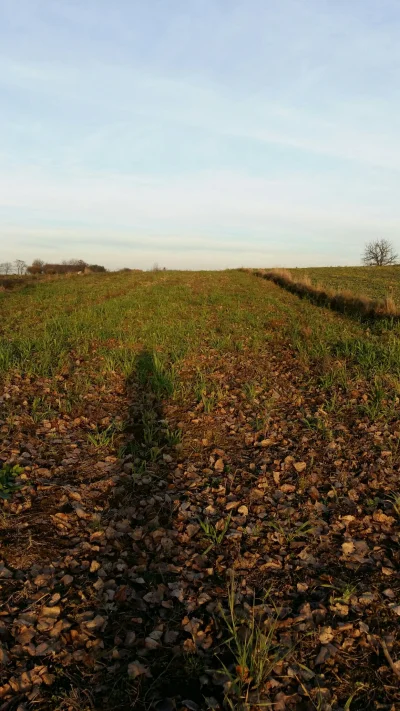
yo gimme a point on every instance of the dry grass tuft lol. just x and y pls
(343, 301)
(389, 307)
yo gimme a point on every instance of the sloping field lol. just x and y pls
(202, 507)
(375, 282)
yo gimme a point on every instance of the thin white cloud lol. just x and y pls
(354, 130)
(242, 120)
(207, 198)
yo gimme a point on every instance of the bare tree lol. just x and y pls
(379, 253)
(20, 266)
(39, 263)
(6, 268)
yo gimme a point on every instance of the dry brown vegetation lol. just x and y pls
(343, 301)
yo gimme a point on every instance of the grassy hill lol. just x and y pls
(201, 497)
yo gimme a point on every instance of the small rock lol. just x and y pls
(25, 636)
(366, 598)
(170, 637)
(387, 571)
(130, 638)
(151, 643)
(165, 705)
(95, 624)
(192, 529)
(67, 580)
(232, 505)
(287, 488)
(326, 635)
(323, 654)
(314, 493)
(57, 629)
(54, 599)
(54, 611)
(340, 608)
(348, 547)
(42, 649)
(80, 512)
(302, 587)
(136, 669)
(3, 656)
(4, 572)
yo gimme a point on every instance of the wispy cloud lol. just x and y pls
(224, 125)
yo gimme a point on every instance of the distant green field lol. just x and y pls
(375, 282)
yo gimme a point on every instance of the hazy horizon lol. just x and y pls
(198, 135)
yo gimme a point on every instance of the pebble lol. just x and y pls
(95, 624)
(51, 612)
(67, 580)
(232, 505)
(3, 656)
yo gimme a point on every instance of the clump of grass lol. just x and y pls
(250, 391)
(395, 501)
(8, 485)
(155, 373)
(305, 280)
(255, 651)
(389, 307)
(290, 533)
(173, 437)
(216, 535)
(207, 393)
(103, 438)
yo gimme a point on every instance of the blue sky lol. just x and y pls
(199, 133)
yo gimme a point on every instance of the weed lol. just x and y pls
(138, 470)
(216, 535)
(8, 486)
(102, 438)
(290, 533)
(395, 501)
(215, 481)
(346, 592)
(40, 410)
(254, 650)
(250, 391)
(194, 666)
(154, 372)
(319, 424)
(173, 437)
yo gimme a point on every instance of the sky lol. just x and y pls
(199, 133)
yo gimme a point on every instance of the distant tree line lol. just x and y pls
(17, 267)
(38, 266)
